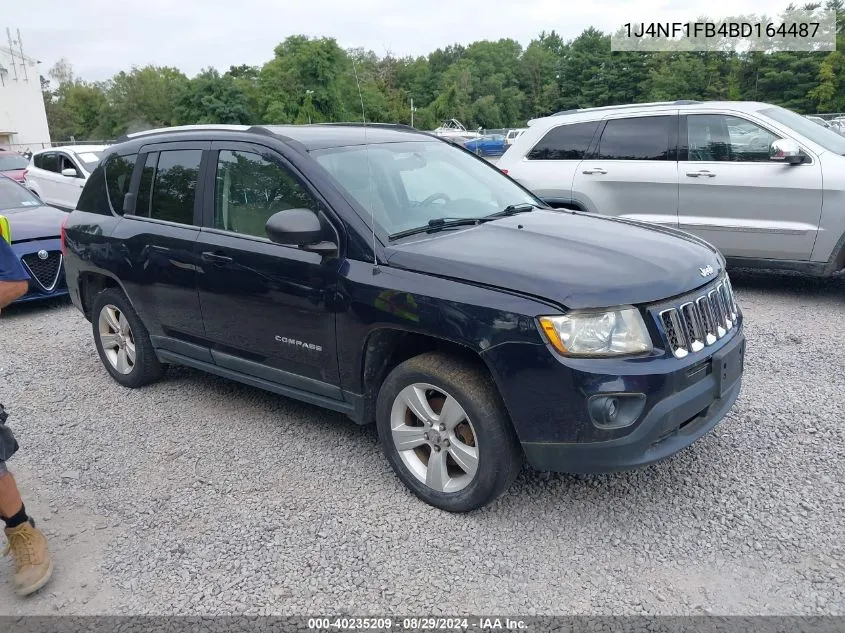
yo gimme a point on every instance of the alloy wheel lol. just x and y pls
(116, 339)
(434, 437)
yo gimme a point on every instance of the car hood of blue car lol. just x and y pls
(34, 223)
(577, 260)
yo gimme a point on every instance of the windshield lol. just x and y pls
(15, 196)
(10, 161)
(405, 185)
(88, 159)
(823, 136)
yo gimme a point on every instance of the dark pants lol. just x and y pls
(8, 443)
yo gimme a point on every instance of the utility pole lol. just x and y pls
(413, 109)
(308, 94)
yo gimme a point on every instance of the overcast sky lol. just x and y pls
(100, 38)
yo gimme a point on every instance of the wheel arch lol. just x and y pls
(91, 284)
(386, 347)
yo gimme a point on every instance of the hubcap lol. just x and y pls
(434, 437)
(116, 339)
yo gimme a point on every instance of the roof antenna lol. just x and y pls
(369, 170)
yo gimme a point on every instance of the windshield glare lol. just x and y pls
(823, 136)
(15, 196)
(405, 185)
(10, 162)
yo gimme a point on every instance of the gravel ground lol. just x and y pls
(197, 495)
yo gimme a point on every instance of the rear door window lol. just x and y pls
(565, 142)
(169, 185)
(635, 138)
(50, 162)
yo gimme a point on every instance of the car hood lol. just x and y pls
(30, 223)
(577, 260)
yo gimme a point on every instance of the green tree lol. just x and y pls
(212, 98)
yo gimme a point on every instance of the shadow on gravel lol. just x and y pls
(785, 281)
(235, 391)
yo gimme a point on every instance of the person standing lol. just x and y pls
(26, 544)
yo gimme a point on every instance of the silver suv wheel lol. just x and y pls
(434, 437)
(116, 339)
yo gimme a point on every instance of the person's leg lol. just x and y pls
(27, 545)
(11, 504)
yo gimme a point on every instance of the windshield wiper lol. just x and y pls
(437, 224)
(513, 209)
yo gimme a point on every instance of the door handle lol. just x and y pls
(702, 172)
(595, 170)
(216, 258)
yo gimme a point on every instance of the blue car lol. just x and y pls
(36, 239)
(490, 145)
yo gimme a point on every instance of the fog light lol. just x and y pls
(615, 410)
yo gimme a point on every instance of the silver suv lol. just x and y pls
(763, 184)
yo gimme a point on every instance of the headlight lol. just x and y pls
(606, 333)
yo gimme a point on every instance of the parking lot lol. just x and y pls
(199, 495)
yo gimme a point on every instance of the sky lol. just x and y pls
(100, 38)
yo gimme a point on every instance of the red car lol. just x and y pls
(13, 165)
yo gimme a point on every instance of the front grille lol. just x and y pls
(700, 320)
(44, 271)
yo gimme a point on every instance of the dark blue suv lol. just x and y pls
(384, 273)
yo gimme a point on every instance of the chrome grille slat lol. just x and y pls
(700, 320)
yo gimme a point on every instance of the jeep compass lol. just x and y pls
(392, 276)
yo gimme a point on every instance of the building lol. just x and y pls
(23, 119)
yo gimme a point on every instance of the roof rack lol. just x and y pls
(629, 105)
(184, 128)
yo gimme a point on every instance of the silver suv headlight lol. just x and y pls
(613, 332)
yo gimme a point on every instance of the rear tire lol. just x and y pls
(122, 341)
(459, 450)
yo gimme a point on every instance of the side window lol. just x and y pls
(636, 138)
(565, 142)
(94, 197)
(249, 189)
(50, 162)
(66, 163)
(38, 161)
(720, 137)
(169, 186)
(118, 170)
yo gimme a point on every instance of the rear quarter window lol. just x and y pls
(106, 188)
(565, 142)
(118, 172)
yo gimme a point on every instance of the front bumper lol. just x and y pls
(672, 424)
(684, 401)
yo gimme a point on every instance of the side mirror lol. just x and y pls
(69, 173)
(786, 151)
(298, 227)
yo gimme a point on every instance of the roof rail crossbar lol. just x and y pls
(183, 128)
(628, 105)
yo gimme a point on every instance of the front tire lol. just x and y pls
(122, 341)
(445, 432)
